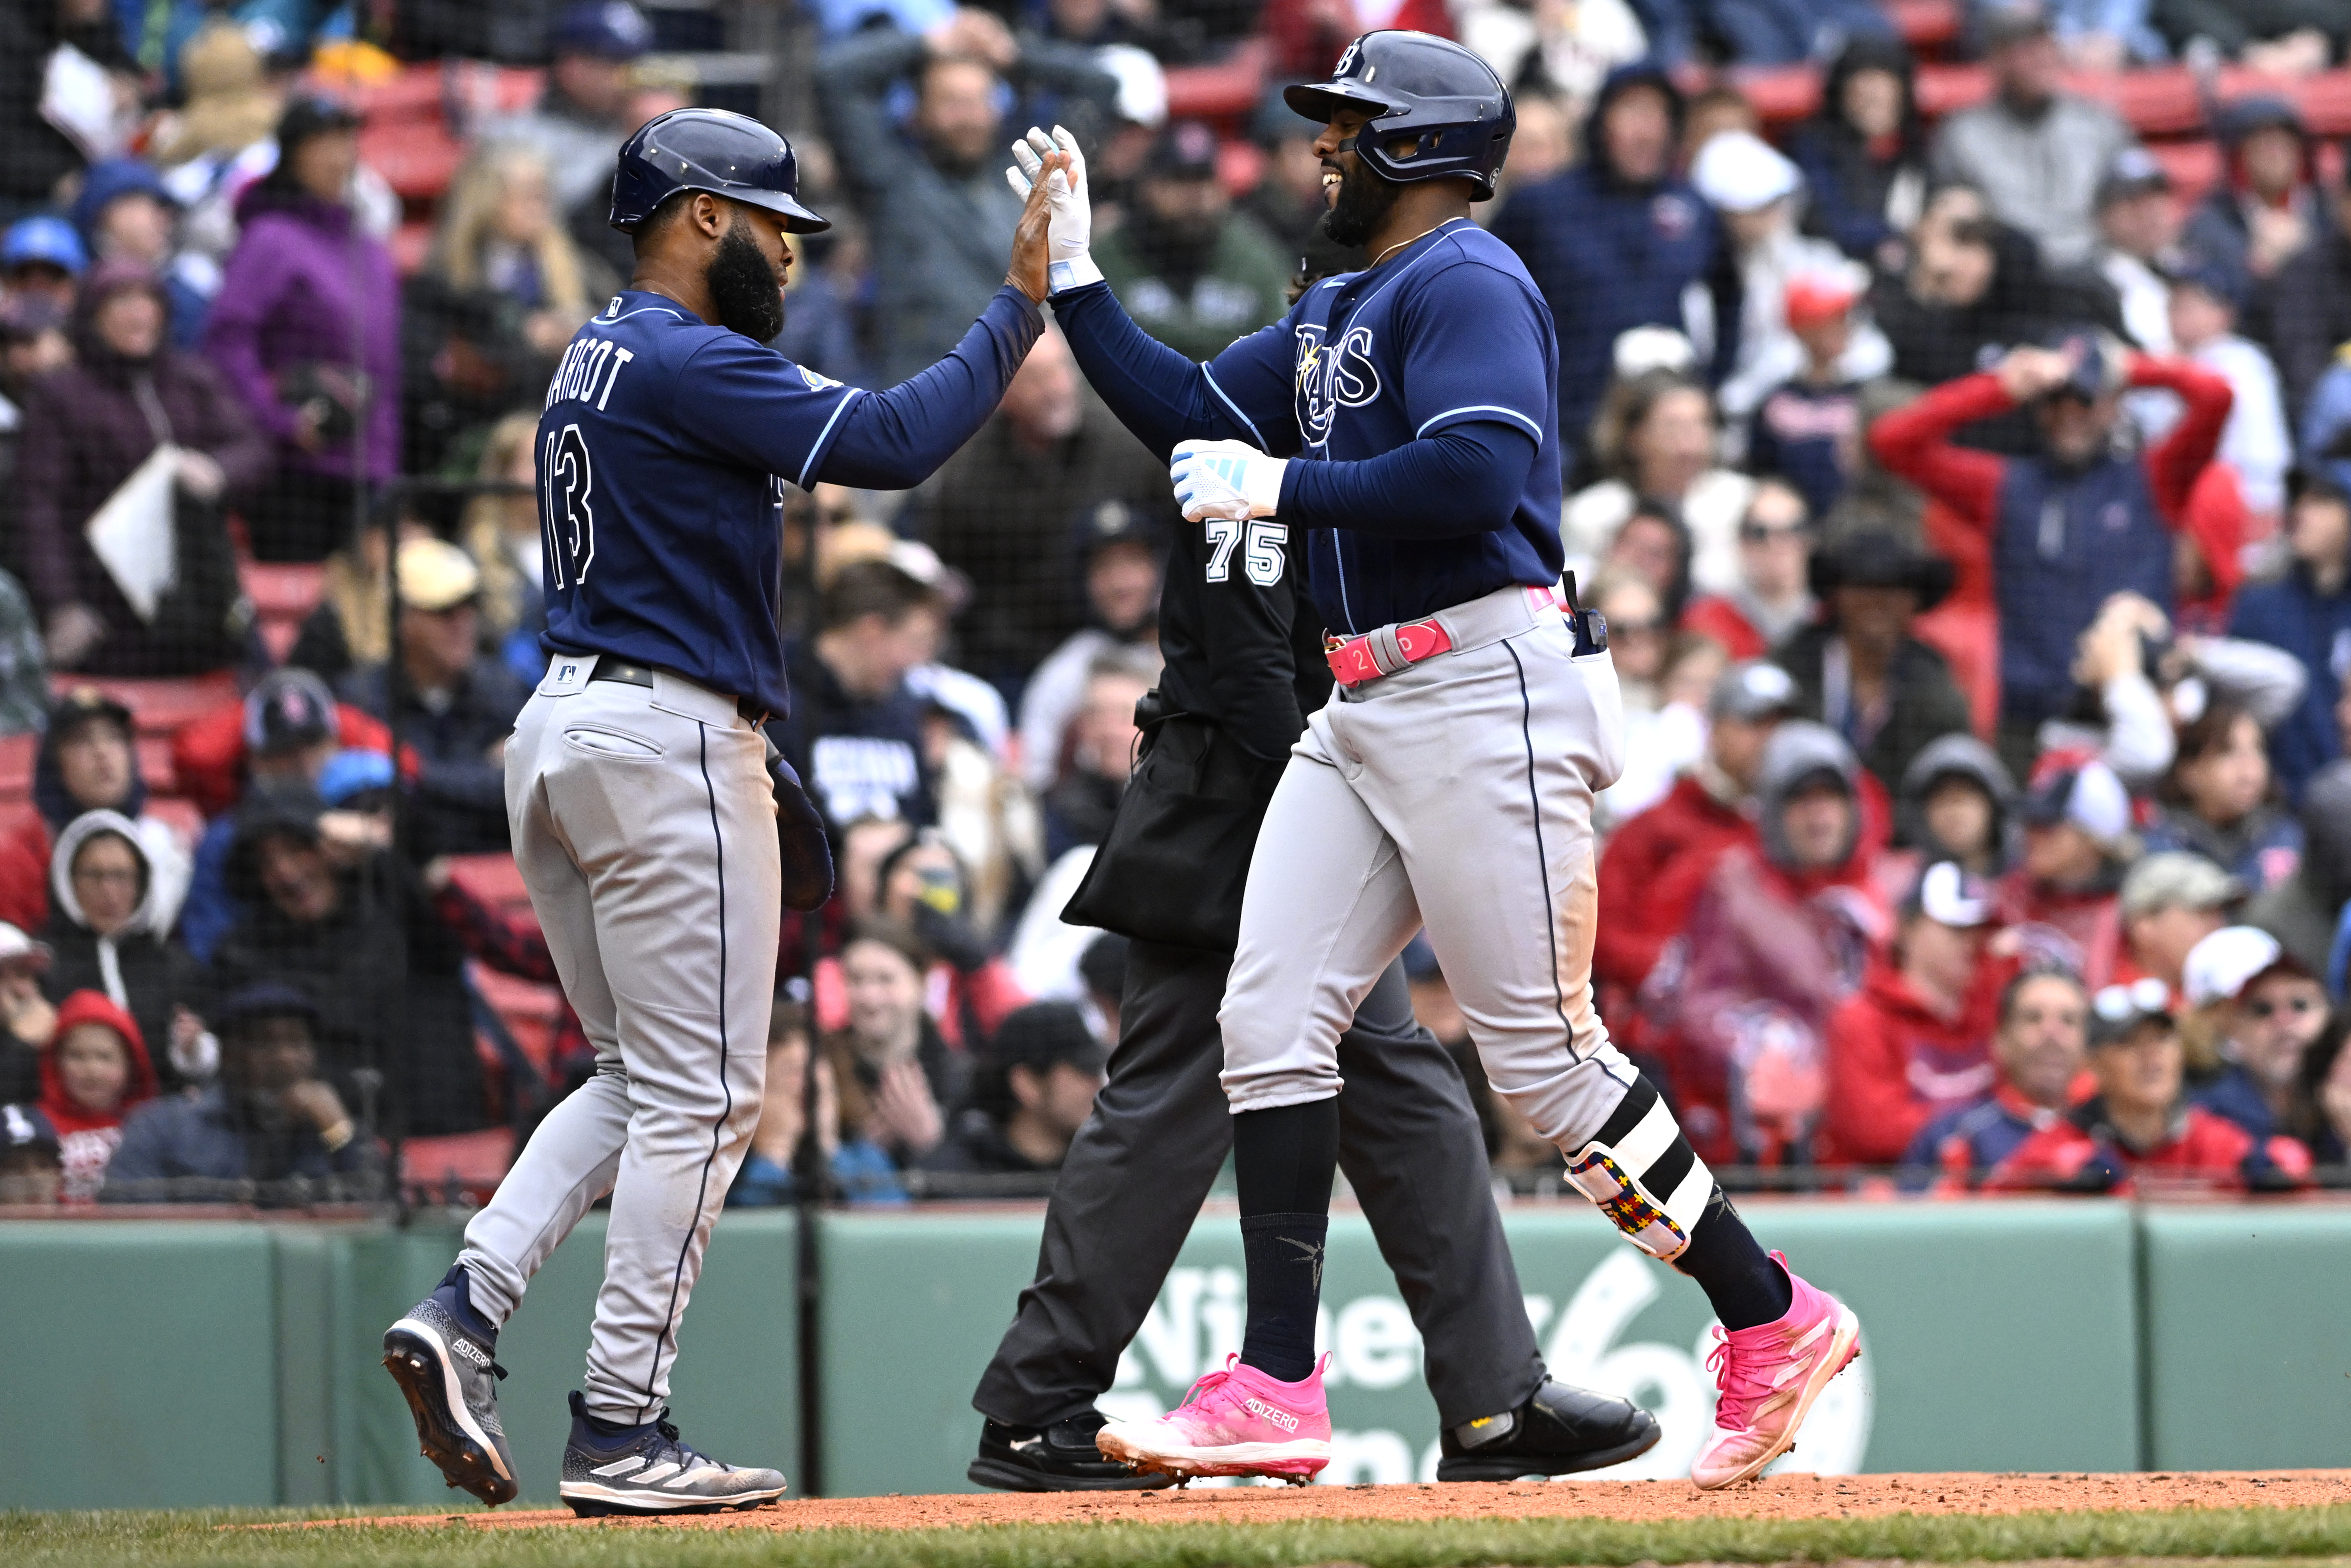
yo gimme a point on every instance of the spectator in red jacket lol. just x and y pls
(1915, 1042)
(1783, 933)
(2138, 1125)
(1656, 864)
(2073, 524)
(2077, 840)
(2041, 1047)
(1774, 599)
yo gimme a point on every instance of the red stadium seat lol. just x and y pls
(528, 1010)
(18, 755)
(155, 762)
(491, 879)
(2325, 102)
(1945, 90)
(160, 707)
(417, 158)
(2195, 167)
(285, 589)
(1228, 89)
(1782, 95)
(416, 93)
(2160, 101)
(474, 1162)
(1928, 26)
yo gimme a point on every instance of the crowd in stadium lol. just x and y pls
(1960, 454)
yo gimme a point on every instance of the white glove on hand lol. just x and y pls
(1227, 479)
(1069, 214)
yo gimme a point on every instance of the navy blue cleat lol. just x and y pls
(449, 1375)
(649, 1470)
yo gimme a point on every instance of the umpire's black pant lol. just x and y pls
(1137, 1171)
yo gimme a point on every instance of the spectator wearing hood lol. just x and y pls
(2140, 1121)
(1757, 194)
(2036, 151)
(1862, 671)
(319, 910)
(87, 428)
(454, 706)
(2040, 1047)
(1915, 1042)
(1864, 152)
(125, 213)
(92, 1077)
(1783, 931)
(274, 1118)
(88, 761)
(1123, 550)
(2307, 613)
(306, 289)
(27, 1018)
(113, 904)
(2061, 896)
(1654, 866)
(1959, 803)
(2268, 207)
(2254, 1016)
(1615, 241)
(1773, 598)
(36, 157)
(2305, 909)
(2219, 801)
(1192, 272)
(232, 104)
(2073, 524)
(999, 510)
(1972, 288)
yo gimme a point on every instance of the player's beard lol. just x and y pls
(743, 285)
(1363, 202)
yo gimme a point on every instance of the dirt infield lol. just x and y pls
(1785, 1497)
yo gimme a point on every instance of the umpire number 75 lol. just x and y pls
(1262, 558)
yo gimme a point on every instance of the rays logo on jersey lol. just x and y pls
(1331, 376)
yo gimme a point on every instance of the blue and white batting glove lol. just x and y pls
(1226, 479)
(1069, 208)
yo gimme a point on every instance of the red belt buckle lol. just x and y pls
(1353, 662)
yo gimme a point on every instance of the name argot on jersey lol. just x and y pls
(590, 367)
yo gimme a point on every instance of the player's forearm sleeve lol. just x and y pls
(1465, 479)
(896, 439)
(1157, 392)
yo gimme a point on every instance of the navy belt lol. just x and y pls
(609, 669)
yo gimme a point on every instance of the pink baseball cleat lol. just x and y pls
(1236, 1422)
(1768, 1377)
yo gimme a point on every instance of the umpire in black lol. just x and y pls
(1242, 643)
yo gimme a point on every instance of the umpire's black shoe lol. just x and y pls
(1058, 1457)
(1557, 1432)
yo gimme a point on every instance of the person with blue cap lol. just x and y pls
(126, 214)
(42, 258)
(584, 115)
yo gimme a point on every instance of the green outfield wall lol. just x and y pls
(172, 1364)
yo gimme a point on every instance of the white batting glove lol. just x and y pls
(1068, 207)
(1226, 479)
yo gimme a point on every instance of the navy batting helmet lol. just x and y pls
(727, 154)
(1421, 88)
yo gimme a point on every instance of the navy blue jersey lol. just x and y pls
(1450, 331)
(662, 457)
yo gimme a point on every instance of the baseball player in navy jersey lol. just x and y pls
(1398, 431)
(658, 846)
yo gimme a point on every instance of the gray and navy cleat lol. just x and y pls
(447, 1374)
(649, 1470)
(1558, 1431)
(1058, 1457)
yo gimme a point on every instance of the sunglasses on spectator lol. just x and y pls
(2292, 1007)
(2117, 1003)
(1764, 533)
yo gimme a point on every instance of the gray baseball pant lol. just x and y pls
(1138, 1170)
(644, 825)
(1456, 793)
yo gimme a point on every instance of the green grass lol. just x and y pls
(197, 1537)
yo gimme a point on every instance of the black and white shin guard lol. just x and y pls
(1643, 1174)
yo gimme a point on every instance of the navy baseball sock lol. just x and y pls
(1746, 1286)
(1283, 1161)
(455, 1292)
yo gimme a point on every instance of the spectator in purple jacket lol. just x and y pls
(88, 427)
(307, 329)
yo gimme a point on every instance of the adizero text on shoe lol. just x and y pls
(1768, 1377)
(1559, 1430)
(1235, 1422)
(450, 1383)
(652, 1471)
(1058, 1457)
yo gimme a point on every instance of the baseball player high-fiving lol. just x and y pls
(639, 790)
(1398, 430)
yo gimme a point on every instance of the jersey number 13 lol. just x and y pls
(565, 481)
